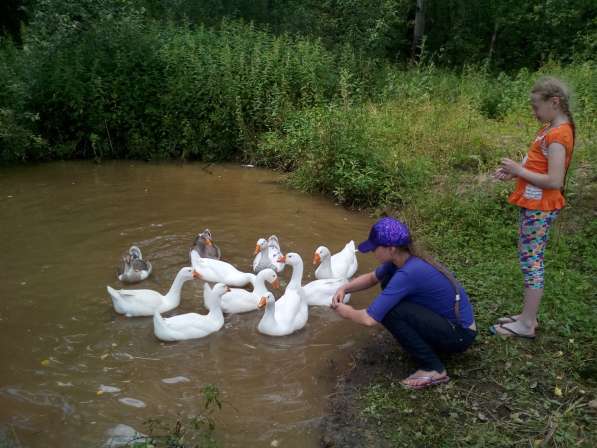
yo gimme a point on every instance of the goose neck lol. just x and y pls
(259, 286)
(174, 292)
(270, 312)
(297, 276)
(215, 312)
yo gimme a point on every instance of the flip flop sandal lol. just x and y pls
(511, 320)
(506, 320)
(428, 382)
(513, 333)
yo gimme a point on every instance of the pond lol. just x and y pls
(65, 226)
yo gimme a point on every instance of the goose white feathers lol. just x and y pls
(241, 301)
(217, 271)
(321, 292)
(341, 265)
(193, 325)
(144, 302)
(134, 268)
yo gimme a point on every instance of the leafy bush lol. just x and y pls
(19, 140)
(118, 86)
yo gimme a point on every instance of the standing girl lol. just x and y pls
(540, 180)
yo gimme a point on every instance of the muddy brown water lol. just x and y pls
(64, 227)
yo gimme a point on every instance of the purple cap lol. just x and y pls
(386, 232)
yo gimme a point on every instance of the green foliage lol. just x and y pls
(330, 151)
(108, 80)
(194, 431)
(224, 88)
(426, 124)
(19, 140)
(90, 87)
(106, 83)
(504, 34)
(457, 32)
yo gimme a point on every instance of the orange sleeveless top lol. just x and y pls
(530, 196)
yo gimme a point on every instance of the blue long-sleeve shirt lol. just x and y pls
(418, 282)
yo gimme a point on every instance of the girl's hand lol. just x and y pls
(511, 167)
(500, 174)
(338, 298)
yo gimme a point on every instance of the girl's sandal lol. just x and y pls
(427, 381)
(511, 320)
(509, 332)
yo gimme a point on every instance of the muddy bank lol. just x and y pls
(380, 359)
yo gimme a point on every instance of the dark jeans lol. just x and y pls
(422, 333)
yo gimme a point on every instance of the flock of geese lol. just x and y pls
(281, 317)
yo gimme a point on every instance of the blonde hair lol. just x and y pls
(549, 87)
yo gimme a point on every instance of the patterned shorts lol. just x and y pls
(532, 239)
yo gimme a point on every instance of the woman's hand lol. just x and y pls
(338, 298)
(359, 316)
(343, 310)
(510, 167)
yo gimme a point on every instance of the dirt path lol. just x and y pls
(379, 358)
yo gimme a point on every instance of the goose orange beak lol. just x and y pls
(262, 302)
(257, 249)
(282, 259)
(197, 275)
(316, 259)
(276, 283)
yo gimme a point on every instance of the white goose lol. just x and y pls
(241, 301)
(292, 310)
(275, 252)
(261, 260)
(144, 302)
(321, 292)
(216, 271)
(192, 325)
(266, 254)
(273, 323)
(341, 265)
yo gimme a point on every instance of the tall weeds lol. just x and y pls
(124, 88)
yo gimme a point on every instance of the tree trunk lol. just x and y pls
(492, 44)
(419, 28)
